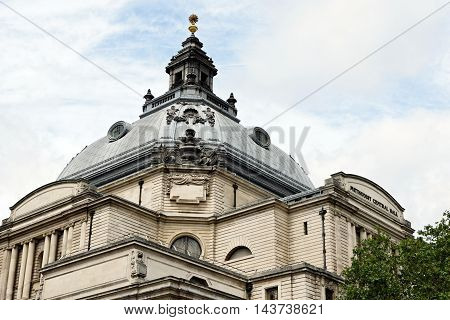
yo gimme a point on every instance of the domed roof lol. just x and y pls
(162, 134)
(155, 130)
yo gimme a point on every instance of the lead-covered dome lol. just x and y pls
(189, 126)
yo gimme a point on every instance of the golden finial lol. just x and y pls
(193, 19)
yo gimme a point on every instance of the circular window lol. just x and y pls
(261, 137)
(117, 130)
(187, 245)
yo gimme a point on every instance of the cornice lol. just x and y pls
(293, 269)
(356, 213)
(135, 240)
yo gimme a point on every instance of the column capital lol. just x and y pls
(68, 225)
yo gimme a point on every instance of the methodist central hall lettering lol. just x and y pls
(374, 201)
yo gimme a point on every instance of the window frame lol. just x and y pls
(184, 235)
(232, 251)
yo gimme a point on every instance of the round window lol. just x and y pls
(261, 137)
(187, 245)
(117, 130)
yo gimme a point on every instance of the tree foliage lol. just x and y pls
(414, 268)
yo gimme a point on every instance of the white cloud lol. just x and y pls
(385, 120)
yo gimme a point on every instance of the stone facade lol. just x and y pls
(177, 206)
(86, 243)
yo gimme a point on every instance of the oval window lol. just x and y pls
(117, 130)
(261, 137)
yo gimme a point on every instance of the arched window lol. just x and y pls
(187, 245)
(238, 252)
(199, 281)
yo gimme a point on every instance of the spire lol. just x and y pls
(191, 65)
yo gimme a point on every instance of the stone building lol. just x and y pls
(186, 203)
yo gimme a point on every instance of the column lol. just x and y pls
(53, 247)
(69, 240)
(23, 264)
(29, 271)
(354, 235)
(350, 245)
(363, 234)
(322, 288)
(5, 269)
(83, 233)
(46, 250)
(64, 244)
(369, 236)
(337, 235)
(12, 273)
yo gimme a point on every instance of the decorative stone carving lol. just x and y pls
(190, 115)
(339, 182)
(188, 188)
(210, 116)
(208, 157)
(190, 150)
(163, 154)
(138, 266)
(171, 114)
(81, 186)
(187, 151)
(188, 179)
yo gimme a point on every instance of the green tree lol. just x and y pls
(415, 268)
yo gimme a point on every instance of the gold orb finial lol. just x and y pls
(193, 19)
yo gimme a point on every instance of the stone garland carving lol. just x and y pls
(190, 114)
(138, 266)
(187, 179)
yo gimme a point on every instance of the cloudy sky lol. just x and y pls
(387, 119)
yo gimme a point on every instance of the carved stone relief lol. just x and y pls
(138, 266)
(188, 188)
(188, 152)
(190, 115)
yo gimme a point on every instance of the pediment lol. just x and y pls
(369, 192)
